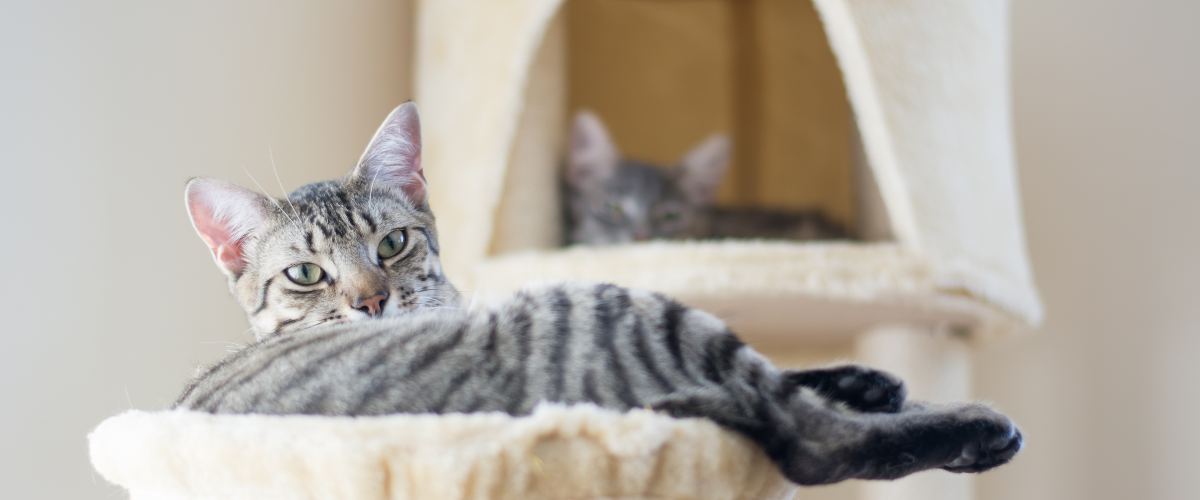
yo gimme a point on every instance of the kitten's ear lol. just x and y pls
(225, 215)
(593, 157)
(393, 158)
(701, 169)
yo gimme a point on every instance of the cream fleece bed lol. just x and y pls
(559, 452)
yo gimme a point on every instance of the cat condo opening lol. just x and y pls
(664, 76)
(892, 120)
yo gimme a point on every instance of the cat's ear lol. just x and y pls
(225, 215)
(393, 158)
(701, 169)
(593, 157)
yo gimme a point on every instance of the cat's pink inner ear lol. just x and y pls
(393, 158)
(225, 215)
(593, 156)
(226, 250)
(703, 167)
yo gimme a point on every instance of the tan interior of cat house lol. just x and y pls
(664, 75)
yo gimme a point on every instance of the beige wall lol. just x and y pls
(1107, 105)
(109, 297)
(106, 108)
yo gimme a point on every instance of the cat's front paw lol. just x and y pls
(991, 444)
(859, 387)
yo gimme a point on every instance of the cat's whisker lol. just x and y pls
(221, 342)
(271, 152)
(240, 335)
(432, 301)
(427, 300)
(239, 346)
(447, 295)
(439, 298)
(440, 287)
(371, 191)
(273, 200)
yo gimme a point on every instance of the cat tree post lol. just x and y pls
(935, 364)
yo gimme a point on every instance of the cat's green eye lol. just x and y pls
(392, 244)
(305, 274)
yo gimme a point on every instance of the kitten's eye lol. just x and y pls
(305, 274)
(392, 244)
(614, 210)
(671, 216)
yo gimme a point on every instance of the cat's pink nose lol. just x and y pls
(372, 305)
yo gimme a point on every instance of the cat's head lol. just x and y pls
(360, 247)
(613, 200)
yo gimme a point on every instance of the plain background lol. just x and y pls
(109, 299)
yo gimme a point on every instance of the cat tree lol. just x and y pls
(893, 117)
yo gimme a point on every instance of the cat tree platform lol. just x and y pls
(771, 292)
(578, 452)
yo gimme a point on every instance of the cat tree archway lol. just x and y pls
(927, 86)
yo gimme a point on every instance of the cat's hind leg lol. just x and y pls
(860, 388)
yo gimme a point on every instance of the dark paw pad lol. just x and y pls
(994, 445)
(860, 388)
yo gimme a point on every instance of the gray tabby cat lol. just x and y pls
(567, 343)
(612, 200)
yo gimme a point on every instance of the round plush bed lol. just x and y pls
(558, 452)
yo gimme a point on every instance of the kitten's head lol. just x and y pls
(612, 200)
(360, 247)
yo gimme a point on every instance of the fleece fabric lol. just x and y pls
(558, 452)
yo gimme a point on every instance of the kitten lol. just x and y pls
(611, 200)
(568, 343)
(363, 246)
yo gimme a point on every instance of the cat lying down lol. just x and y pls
(343, 287)
(610, 199)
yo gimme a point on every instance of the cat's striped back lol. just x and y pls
(575, 342)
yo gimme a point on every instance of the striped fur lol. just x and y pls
(617, 348)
